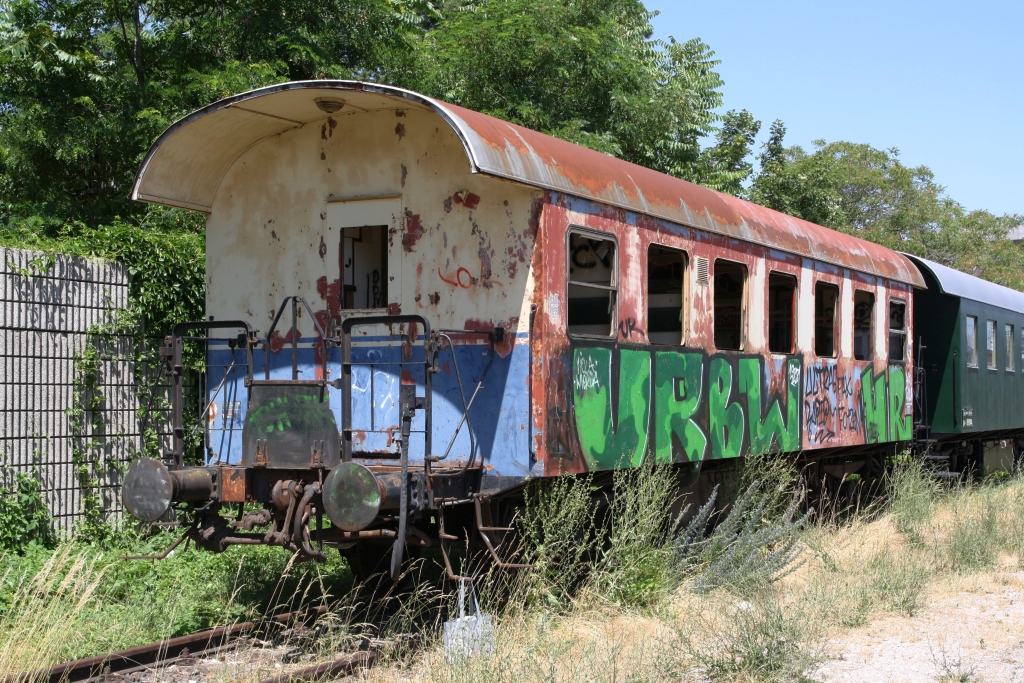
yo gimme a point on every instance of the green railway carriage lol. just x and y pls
(971, 387)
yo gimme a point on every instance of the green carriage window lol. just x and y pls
(897, 329)
(1009, 348)
(972, 341)
(826, 300)
(990, 343)
(592, 285)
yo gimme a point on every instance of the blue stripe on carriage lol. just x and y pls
(500, 416)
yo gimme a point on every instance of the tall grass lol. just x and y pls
(50, 613)
(618, 589)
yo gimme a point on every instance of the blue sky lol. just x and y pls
(941, 81)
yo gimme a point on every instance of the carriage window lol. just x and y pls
(990, 343)
(366, 267)
(972, 341)
(781, 307)
(826, 299)
(897, 330)
(730, 290)
(592, 285)
(666, 287)
(863, 317)
(1009, 348)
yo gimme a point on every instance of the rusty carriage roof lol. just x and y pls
(185, 165)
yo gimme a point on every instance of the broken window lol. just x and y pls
(781, 312)
(863, 323)
(897, 329)
(730, 294)
(365, 253)
(972, 341)
(592, 285)
(666, 286)
(826, 299)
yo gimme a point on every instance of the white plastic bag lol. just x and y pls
(468, 636)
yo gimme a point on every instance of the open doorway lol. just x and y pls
(365, 258)
(370, 271)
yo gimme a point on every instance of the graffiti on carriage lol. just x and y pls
(687, 405)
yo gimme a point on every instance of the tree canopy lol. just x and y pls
(87, 85)
(869, 192)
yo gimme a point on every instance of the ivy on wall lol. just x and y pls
(165, 258)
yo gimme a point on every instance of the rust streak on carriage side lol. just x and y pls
(534, 158)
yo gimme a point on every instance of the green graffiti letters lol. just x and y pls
(606, 445)
(784, 433)
(678, 394)
(725, 419)
(882, 402)
(699, 407)
(900, 425)
(684, 406)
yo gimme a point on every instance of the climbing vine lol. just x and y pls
(165, 258)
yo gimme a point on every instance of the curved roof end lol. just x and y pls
(184, 167)
(959, 284)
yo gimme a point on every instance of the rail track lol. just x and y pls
(146, 658)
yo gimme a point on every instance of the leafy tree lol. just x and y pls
(586, 71)
(729, 157)
(87, 85)
(861, 190)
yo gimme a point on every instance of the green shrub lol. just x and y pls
(24, 515)
(747, 550)
(560, 533)
(633, 569)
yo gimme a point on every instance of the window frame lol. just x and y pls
(795, 306)
(902, 332)
(744, 301)
(1009, 334)
(684, 322)
(613, 288)
(836, 316)
(872, 351)
(992, 354)
(970, 345)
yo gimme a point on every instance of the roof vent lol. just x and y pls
(702, 270)
(329, 105)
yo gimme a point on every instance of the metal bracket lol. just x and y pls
(484, 530)
(261, 458)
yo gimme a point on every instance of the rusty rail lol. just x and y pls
(317, 672)
(143, 657)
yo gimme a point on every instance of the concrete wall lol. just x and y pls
(48, 306)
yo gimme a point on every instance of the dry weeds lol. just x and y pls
(929, 589)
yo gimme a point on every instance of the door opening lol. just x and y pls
(365, 257)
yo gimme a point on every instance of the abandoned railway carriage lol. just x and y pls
(413, 308)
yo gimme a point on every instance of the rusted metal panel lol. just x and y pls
(605, 402)
(233, 487)
(184, 168)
